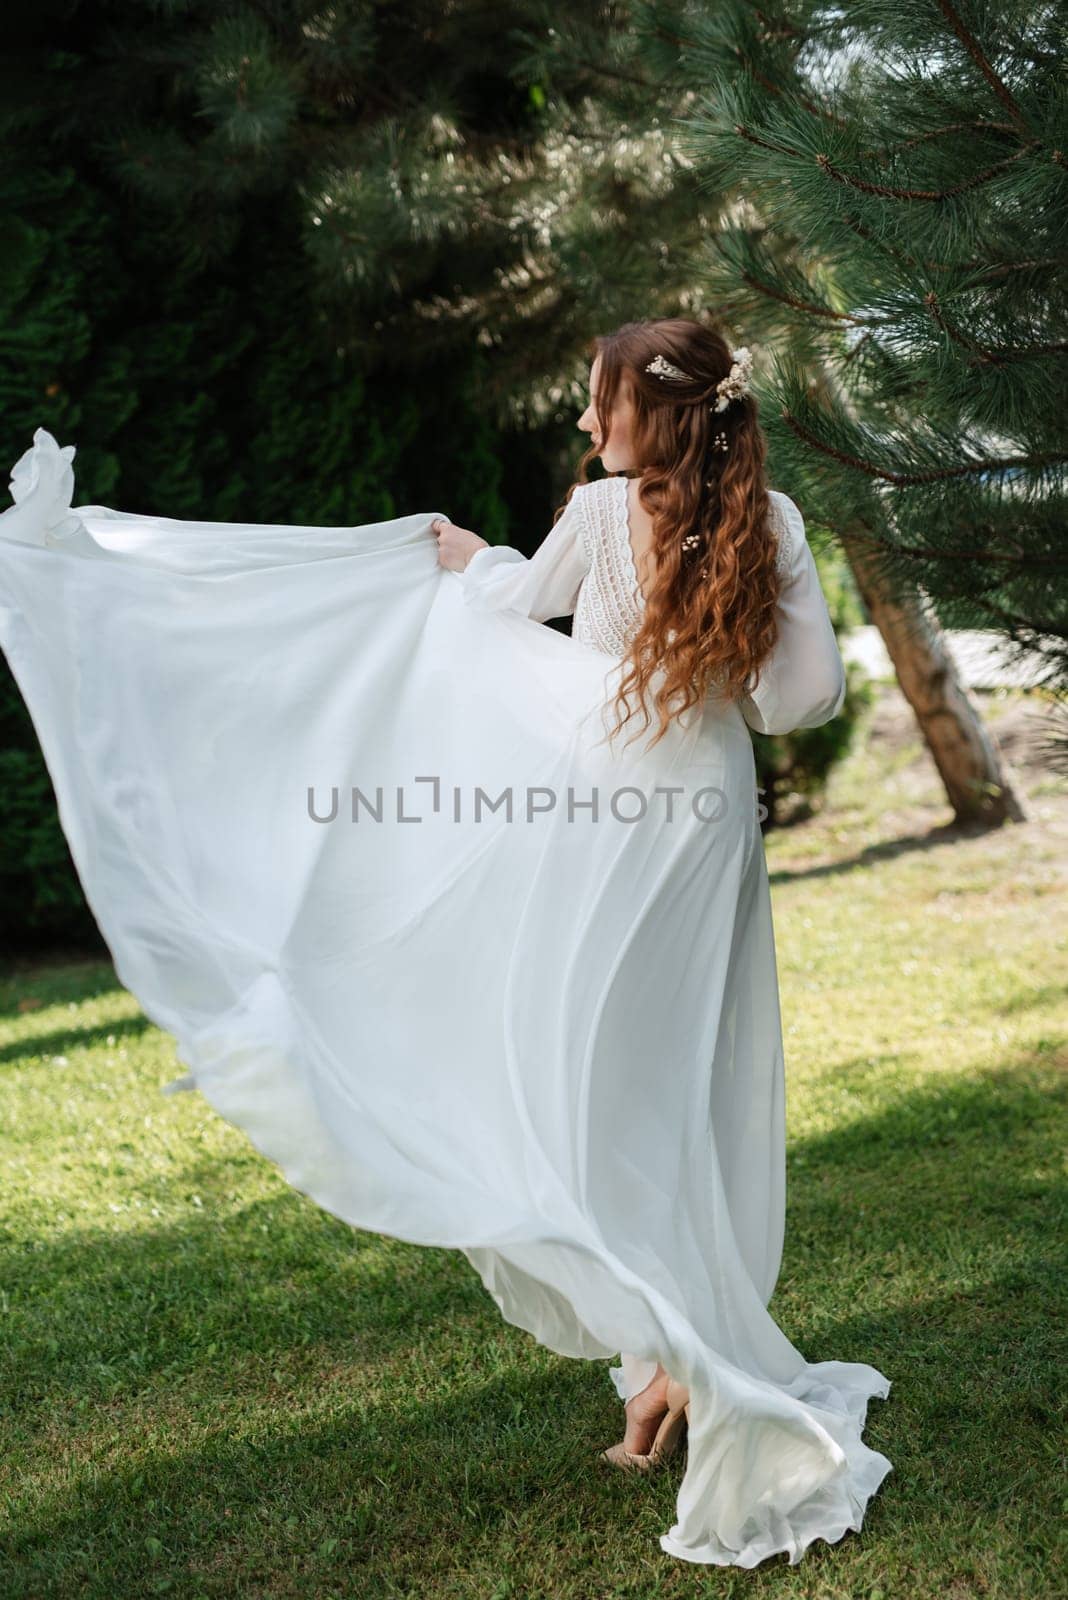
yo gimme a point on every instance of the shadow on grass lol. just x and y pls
(945, 834)
(59, 1040)
(918, 1240)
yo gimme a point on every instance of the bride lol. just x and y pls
(466, 922)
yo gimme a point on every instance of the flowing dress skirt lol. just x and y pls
(546, 1034)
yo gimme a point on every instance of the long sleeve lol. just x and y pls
(544, 585)
(803, 682)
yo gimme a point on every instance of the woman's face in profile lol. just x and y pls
(615, 451)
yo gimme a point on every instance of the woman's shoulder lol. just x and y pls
(582, 497)
(787, 509)
(596, 506)
(789, 528)
(592, 491)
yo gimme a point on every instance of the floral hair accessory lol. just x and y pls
(732, 387)
(736, 383)
(664, 369)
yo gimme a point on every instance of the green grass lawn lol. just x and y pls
(210, 1387)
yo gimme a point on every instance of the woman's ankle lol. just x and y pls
(643, 1413)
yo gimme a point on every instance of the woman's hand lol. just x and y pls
(456, 545)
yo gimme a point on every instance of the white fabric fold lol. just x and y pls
(803, 683)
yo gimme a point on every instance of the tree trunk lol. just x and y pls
(978, 786)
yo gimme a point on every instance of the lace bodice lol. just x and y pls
(584, 568)
(610, 602)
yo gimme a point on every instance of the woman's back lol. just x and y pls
(618, 534)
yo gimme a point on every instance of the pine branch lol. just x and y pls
(987, 556)
(974, 49)
(948, 130)
(984, 352)
(890, 192)
(930, 475)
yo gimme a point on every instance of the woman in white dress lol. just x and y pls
(474, 962)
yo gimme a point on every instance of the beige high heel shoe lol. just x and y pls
(627, 1459)
(668, 1435)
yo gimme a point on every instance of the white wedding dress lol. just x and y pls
(547, 1036)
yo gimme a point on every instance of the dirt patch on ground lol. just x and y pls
(889, 790)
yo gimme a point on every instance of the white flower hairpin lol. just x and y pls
(732, 387)
(664, 369)
(736, 383)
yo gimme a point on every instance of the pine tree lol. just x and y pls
(881, 191)
(899, 247)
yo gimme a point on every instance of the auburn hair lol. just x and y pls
(709, 619)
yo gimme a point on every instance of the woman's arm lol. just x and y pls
(498, 577)
(803, 682)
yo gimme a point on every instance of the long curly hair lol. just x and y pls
(709, 618)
